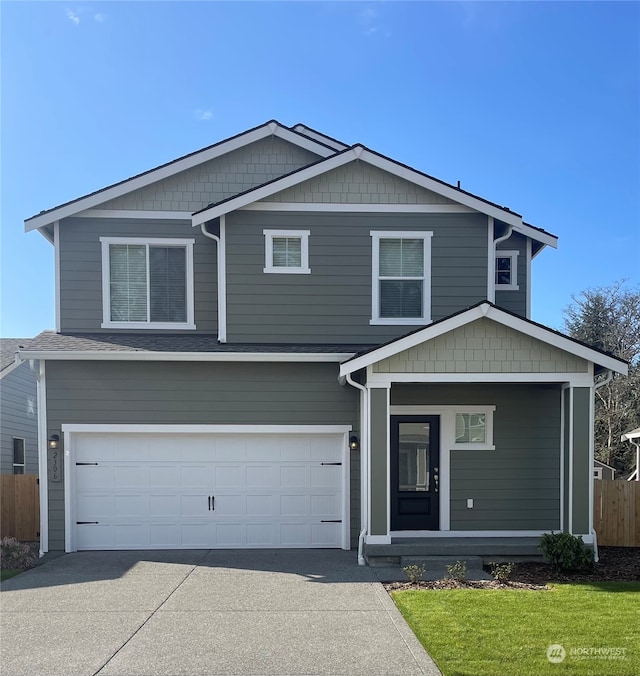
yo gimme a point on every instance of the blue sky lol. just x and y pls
(532, 105)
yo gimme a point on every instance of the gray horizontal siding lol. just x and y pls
(517, 485)
(333, 303)
(19, 418)
(81, 269)
(191, 393)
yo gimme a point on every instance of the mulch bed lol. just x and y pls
(616, 564)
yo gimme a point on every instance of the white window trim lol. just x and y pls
(488, 444)
(597, 472)
(15, 464)
(513, 255)
(376, 236)
(107, 323)
(304, 252)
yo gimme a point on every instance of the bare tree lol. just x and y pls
(608, 318)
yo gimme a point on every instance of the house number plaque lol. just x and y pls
(55, 465)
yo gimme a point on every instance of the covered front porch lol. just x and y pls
(476, 438)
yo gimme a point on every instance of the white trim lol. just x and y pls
(592, 404)
(388, 453)
(359, 207)
(513, 256)
(173, 168)
(376, 236)
(597, 474)
(135, 428)
(222, 281)
(46, 234)
(574, 379)
(43, 455)
(12, 367)
(135, 214)
(86, 355)
(543, 334)
(187, 244)
(528, 280)
(302, 235)
(56, 263)
(570, 451)
(321, 138)
(562, 453)
(69, 430)
(15, 464)
(466, 533)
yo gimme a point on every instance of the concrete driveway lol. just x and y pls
(204, 612)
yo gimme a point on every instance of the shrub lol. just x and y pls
(458, 571)
(15, 555)
(501, 571)
(414, 572)
(566, 552)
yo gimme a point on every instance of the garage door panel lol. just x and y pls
(152, 491)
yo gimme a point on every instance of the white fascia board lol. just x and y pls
(428, 333)
(205, 429)
(135, 214)
(387, 379)
(171, 169)
(441, 188)
(359, 208)
(62, 355)
(12, 367)
(538, 235)
(304, 141)
(332, 162)
(321, 138)
(562, 343)
(628, 436)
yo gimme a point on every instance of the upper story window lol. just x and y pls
(286, 251)
(507, 270)
(401, 284)
(18, 455)
(147, 283)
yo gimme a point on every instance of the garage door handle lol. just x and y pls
(213, 503)
(331, 463)
(209, 503)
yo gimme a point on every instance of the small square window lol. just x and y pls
(18, 455)
(474, 428)
(286, 251)
(506, 276)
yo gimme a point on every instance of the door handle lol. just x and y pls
(209, 503)
(213, 503)
(436, 481)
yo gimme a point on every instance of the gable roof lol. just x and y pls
(493, 312)
(8, 350)
(363, 154)
(323, 147)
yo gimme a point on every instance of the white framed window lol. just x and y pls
(507, 270)
(147, 283)
(597, 472)
(474, 428)
(18, 455)
(401, 277)
(286, 252)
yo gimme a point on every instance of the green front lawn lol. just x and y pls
(6, 574)
(504, 632)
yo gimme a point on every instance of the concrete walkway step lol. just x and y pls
(441, 562)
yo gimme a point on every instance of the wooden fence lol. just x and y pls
(20, 506)
(616, 513)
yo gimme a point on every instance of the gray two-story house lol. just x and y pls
(282, 340)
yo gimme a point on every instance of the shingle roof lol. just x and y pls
(124, 342)
(8, 349)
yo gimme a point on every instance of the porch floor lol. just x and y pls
(489, 549)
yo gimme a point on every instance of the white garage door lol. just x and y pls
(168, 490)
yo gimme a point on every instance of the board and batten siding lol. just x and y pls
(333, 303)
(19, 418)
(81, 269)
(218, 179)
(483, 346)
(195, 393)
(517, 485)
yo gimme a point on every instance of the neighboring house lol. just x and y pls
(602, 471)
(634, 437)
(282, 340)
(18, 411)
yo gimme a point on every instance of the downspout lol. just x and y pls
(222, 278)
(364, 466)
(38, 370)
(596, 387)
(492, 264)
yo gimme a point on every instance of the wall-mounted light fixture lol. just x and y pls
(354, 443)
(54, 442)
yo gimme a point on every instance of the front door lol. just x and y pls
(415, 462)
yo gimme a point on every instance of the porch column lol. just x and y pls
(578, 471)
(379, 464)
